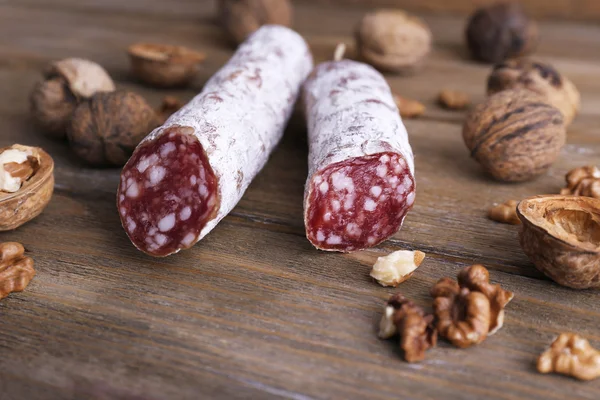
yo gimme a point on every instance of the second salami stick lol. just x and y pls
(361, 172)
(189, 173)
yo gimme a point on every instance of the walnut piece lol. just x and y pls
(409, 108)
(170, 105)
(396, 267)
(561, 237)
(454, 99)
(27, 180)
(572, 355)
(583, 181)
(240, 18)
(500, 31)
(470, 310)
(515, 135)
(540, 78)
(67, 82)
(505, 213)
(106, 129)
(16, 270)
(393, 40)
(416, 330)
(163, 65)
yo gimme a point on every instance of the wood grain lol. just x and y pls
(253, 311)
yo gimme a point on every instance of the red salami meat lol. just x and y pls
(361, 171)
(189, 173)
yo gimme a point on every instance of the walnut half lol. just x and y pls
(26, 184)
(572, 355)
(16, 270)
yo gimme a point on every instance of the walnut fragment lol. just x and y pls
(583, 181)
(409, 321)
(16, 270)
(572, 355)
(454, 99)
(396, 267)
(409, 108)
(505, 213)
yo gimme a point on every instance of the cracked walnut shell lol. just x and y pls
(67, 82)
(240, 18)
(393, 40)
(415, 328)
(572, 355)
(540, 78)
(164, 65)
(561, 237)
(29, 174)
(583, 181)
(515, 135)
(16, 270)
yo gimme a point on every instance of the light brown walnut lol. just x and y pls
(583, 181)
(409, 108)
(16, 270)
(393, 40)
(515, 135)
(454, 99)
(561, 237)
(505, 213)
(571, 355)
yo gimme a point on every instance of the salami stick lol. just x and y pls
(361, 171)
(189, 173)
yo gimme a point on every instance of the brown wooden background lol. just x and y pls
(253, 311)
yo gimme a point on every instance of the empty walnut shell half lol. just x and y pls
(163, 65)
(33, 196)
(561, 236)
(540, 78)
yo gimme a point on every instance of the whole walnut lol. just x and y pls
(515, 135)
(392, 40)
(500, 31)
(105, 130)
(240, 18)
(538, 77)
(67, 82)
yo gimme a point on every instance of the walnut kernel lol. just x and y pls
(106, 129)
(240, 18)
(454, 99)
(16, 270)
(415, 328)
(396, 267)
(515, 135)
(500, 31)
(170, 105)
(540, 78)
(583, 181)
(67, 82)
(409, 108)
(572, 355)
(393, 40)
(164, 65)
(561, 237)
(27, 182)
(505, 213)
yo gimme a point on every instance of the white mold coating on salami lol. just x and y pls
(361, 170)
(236, 121)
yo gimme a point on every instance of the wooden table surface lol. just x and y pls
(253, 311)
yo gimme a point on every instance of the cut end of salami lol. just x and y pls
(357, 203)
(167, 193)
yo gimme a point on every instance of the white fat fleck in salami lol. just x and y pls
(361, 170)
(189, 173)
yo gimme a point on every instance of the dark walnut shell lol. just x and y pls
(392, 40)
(240, 18)
(515, 135)
(33, 196)
(105, 130)
(561, 237)
(162, 65)
(500, 31)
(540, 78)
